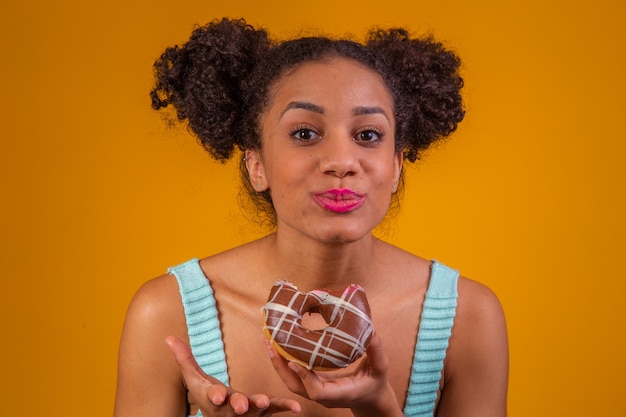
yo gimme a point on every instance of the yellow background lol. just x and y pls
(99, 195)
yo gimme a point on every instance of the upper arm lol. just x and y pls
(476, 367)
(149, 381)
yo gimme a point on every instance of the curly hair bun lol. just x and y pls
(427, 84)
(202, 80)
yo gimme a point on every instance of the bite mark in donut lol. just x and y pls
(342, 342)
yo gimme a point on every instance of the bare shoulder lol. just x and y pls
(476, 365)
(479, 325)
(146, 368)
(155, 312)
(157, 306)
(478, 302)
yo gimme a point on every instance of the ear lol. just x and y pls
(256, 170)
(398, 161)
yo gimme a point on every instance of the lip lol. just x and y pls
(339, 200)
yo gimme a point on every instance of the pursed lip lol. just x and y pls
(339, 200)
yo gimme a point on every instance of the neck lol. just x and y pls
(312, 264)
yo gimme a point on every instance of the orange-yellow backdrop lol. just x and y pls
(98, 195)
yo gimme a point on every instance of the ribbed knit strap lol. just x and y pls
(432, 341)
(205, 335)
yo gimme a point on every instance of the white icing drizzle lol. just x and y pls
(283, 321)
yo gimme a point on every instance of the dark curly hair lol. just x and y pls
(220, 80)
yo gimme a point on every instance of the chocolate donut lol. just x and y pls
(343, 341)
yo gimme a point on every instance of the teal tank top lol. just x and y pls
(205, 336)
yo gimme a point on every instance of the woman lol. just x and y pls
(324, 127)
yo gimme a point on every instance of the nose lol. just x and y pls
(339, 156)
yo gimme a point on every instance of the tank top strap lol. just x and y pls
(432, 341)
(205, 335)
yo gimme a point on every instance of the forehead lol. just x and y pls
(339, 81)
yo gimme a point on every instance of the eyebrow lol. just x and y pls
(303, 105)
(358, 111)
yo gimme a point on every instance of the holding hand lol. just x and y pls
(364, 387)
(216, 399)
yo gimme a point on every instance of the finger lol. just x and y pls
(239, 403)
(291, 380)
(217, 394)
(193, 375)
(185, 359)
(279, 405)
(377, 358)
(309, 380)
(259, 401)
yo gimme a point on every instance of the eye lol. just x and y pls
(304, 134)
(369, 136)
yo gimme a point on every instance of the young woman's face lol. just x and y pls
(328, 155)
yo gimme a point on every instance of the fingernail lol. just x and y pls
(293, 366)
(217, 399)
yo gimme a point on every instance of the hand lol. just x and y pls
(215, 398)
(363, 387)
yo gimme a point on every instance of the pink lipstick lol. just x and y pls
(339, 200)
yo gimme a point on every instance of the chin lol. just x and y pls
(333, 230)
(335, 236)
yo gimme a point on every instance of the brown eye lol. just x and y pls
(368, 136)
(304, 135)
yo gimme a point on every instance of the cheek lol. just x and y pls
(289, 175)
(383, 174)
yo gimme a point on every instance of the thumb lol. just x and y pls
(309, 379)
(193, 374)
(303, 373)
(377, 358)
(184, 357)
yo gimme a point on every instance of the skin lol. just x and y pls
(329, 125)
